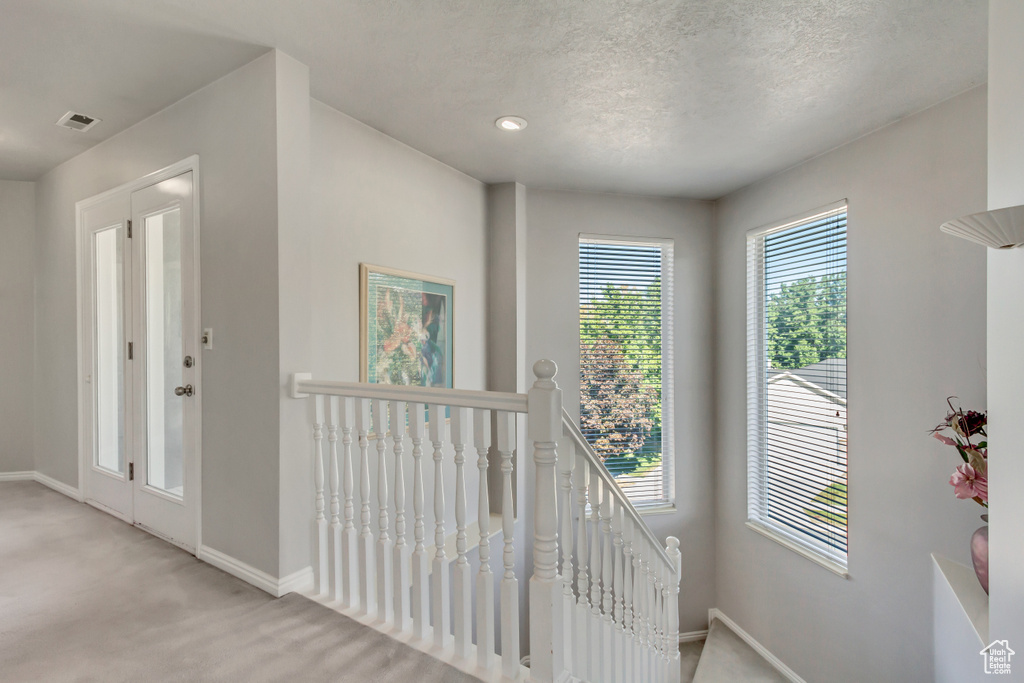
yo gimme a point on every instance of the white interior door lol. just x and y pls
(166, 362)
(141, 349)
(107, 315)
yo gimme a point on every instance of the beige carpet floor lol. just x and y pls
(728, 659)
(689, 656)
(86, 597)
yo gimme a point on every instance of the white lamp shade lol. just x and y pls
(999, 229)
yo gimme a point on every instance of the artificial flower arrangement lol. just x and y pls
(970, 480)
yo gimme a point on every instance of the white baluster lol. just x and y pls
(349, 534)
(485, 578)
(652, 611)
(675, 674)
(618, 634)
(320, 521)
(403, 613)
(545, 425)
(627, 596)
(594, 627)
(385, 568)
(645, 631)
(334, 535)
(663, 590)
(439, 586)
(666, 652)
(461, 577)
(509, 584)
(638, 607)
(595, 546)
(660, 594)
(420, 563)
(368, 563)
(566, 462)
(659, 639)
(582, 618)
(607, 580)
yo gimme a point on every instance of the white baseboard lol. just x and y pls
(296, 582)
(59, 486)
(691, 636)
(715, 613)
(277, 587)
(30, 475)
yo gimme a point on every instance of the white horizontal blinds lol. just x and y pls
(797, 382)
(625, 323)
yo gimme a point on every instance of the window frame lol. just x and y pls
(757, 382)
(667, 503)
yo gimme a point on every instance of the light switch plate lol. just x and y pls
(207, 337)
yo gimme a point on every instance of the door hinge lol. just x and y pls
(131, 471)
(129, 228)
(130, 350)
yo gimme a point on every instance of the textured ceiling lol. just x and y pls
(685, 98)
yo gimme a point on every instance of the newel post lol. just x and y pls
(672, 606)
(545, 428)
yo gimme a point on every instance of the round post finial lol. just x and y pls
(677, 556)
(545, 369)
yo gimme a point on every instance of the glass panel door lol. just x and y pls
(166, 310)
(108, 247)
(165, 351)
(139, 298)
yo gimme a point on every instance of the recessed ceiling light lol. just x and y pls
(510, 123)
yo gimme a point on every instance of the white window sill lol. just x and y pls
(825, 562)
(644, 510)
(660, 509)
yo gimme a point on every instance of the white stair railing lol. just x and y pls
(603, 594)
(630, 616)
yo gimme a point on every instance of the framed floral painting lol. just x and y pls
(406, 327)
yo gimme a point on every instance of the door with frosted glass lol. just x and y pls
(107, 354)
(167, 357)
(141, 351)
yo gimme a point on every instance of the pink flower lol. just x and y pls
(968, 483)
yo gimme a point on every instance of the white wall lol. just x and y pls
(294, 246)
(915, 336)
(377, 201)
(1006, 327)
(17, 325)
(506, 292)
(554, 221)
(231, 125)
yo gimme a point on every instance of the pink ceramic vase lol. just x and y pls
(979, 554)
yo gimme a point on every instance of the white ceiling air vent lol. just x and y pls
(76, 121)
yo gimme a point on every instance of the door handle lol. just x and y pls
(186, 390)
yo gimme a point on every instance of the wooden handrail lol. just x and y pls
(570, 429)
(455, 398)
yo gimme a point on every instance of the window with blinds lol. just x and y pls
(796, 385)
(626, 362)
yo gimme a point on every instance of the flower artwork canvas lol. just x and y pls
(406, 328)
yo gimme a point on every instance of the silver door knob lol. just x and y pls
(186, 390)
